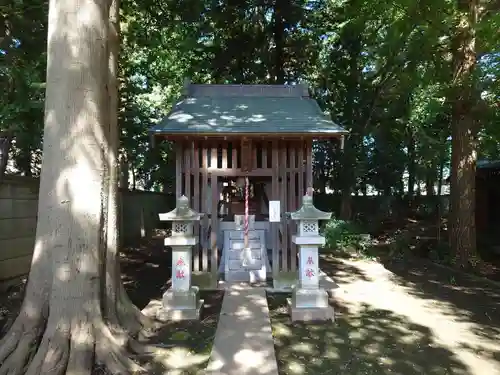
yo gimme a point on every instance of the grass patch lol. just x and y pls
(370, 342)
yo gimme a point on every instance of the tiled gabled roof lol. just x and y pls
(246, 109)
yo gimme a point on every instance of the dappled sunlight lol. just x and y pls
(364, 340)
(179, 358)
(63, 272)
(240, 113)
(449, 314)
(183, 345)
(243, 344)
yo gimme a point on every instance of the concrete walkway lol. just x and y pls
(243, 342)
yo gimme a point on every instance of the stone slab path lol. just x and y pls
(243, 343)
(460, 315)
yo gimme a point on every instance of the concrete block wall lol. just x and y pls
(18, 215)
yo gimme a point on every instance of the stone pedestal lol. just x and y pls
(181, 301)
(309, 302)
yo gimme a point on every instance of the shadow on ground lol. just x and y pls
(370, 342)
(146, 270)
(188, 344)
(342, 273)
(463, 298)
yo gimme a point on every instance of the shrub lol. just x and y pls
(441, 253)
(345, 235)
(400, 244)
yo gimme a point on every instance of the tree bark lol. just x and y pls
(65, 324)
(464, 138)
(430, 181)
(118, 309)
(348, 175)
(279, 41)
(412, 166)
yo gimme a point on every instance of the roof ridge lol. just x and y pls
(242, 90)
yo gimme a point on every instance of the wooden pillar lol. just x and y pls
(234, 155)
(309, 165)
(265, 148)
(204, 205)
(224, 155)
(300, 157)
(214, 223)
(187, 171)
(178, 170)
(283, 198)
(275, 227)
(195, 167)
(292, 201)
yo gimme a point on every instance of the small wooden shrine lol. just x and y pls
(224, 134)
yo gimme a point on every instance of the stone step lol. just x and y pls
(239, 244)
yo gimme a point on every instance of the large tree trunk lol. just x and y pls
(65, 324)
(464, 139)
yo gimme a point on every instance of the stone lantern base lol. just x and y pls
(180, 305)
(310, 305)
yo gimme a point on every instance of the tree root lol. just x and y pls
(111, 353)
(23, 347)
(61, 348)
(130, 317)
(20, 343)
(52, 355)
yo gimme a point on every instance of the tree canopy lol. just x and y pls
(399, 76)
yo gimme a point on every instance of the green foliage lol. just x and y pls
(345, 236)
(400, 244)
(382, 70)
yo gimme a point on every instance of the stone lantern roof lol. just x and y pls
(309, 212)
(182, 212)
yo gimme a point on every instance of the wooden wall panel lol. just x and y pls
(287, 163)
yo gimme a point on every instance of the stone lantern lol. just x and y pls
(181, 301)
(309, 301)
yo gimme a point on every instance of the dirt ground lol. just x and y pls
(394, 318)
(146, 270)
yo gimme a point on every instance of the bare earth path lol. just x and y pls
(441, 314)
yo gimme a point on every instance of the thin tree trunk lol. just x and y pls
(279, 41)
(124, 171)
(464, 139)
(118, 309)
(441, 175)
(412, 166)
(347, 180)
(5, 145)
(430, 182)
